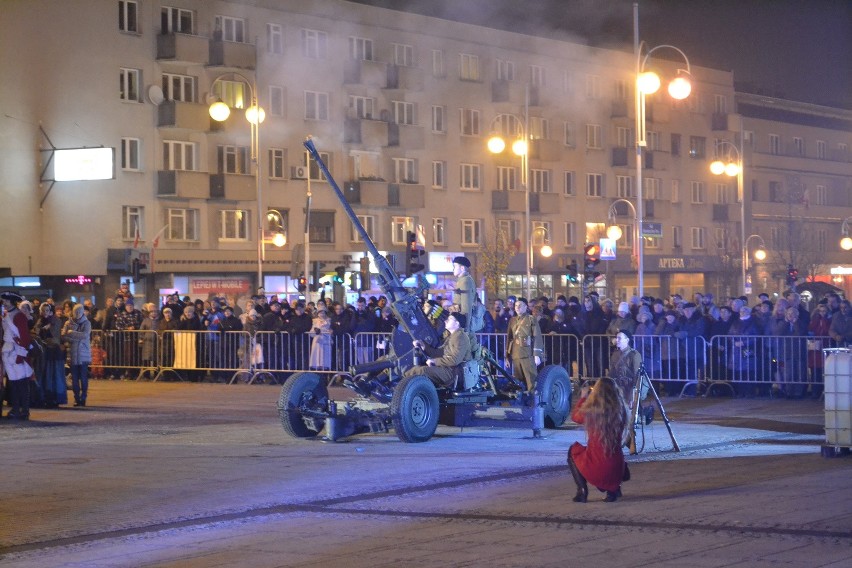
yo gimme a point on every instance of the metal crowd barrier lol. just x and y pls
(767, 364)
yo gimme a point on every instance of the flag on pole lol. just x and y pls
(137, 236)
(156, 241)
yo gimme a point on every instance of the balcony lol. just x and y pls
(721, 212)
(183, 184)
(233, 187)
(619, 109)
(510, 200)
(407, 136)
(231, 54)
(404, 78)
(190, 116)
(546, 202)
(545, 150)
(182, 48)
(619, 157)
(368, 132)
(723, 121)
(369, 73)
(657, 112)
(406, 195)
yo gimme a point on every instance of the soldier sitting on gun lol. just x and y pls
(443, 362)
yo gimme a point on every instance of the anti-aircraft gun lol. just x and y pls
(413, 405)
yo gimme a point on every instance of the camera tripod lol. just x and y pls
(643, 387)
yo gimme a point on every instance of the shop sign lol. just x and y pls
(202, 286)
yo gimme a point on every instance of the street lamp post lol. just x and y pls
(220, 111)
(520, 147)
(546, 251)
(759, 254)
(731, 168)
(846, 240)
(648, 82)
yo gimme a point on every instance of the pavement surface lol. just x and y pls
(202, 475)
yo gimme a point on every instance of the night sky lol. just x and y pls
(793, 49)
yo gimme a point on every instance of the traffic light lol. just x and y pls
(365, 273)
(573, 274)
(792, 275)
(591, 258)
(413, 266)
(339, 275)
(302, 284)
(353, 282)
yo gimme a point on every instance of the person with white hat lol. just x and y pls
(623, 321)
(16, 343)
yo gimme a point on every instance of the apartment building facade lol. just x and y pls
(400, 106)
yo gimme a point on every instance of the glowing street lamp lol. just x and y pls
(846, 241)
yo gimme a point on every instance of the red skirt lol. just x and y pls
(603, 471)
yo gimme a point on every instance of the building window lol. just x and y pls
(820, 195)
(821, 240)
(677, 237)
(799, 145)
(277, 159)
(510, 229)
(132, 222)
(399, 227)
(653, 188)
(405, 170)
(232, 93)
(468, 67)
(540, 180)
(177, 20)
(471, 232)
(469, 122)
(627, 232)
(623, 138)
(316, 105)
(842, 151)
(179, 87)
(469, 176)
(362, 107)
(439, 231)
(593, 87)
(697, 147)
(621, 92)
(538, 128)
(314, 171)
(369, 224)
(697, 191)
(128, 12)
(314, 44)
(820, 145)
(439, 174)
(233, 225)
(569, 188)
(698, 237)
(774, 144)
(721, 194)
(232, 29)
(274, 38)
(675, 191)
(593, 136)
(569, 134)
(276, 100)
(403, 55)
(541, 232)
(652, 139)
(403, 112)
(130, 154)
(129, 82)
(505, 70)
(506, 177)
(568, 83)
(232, 159)
(594, 185)
(624, 186)
(360, 49)
(537, 75)
(178, 155)
(182, 224)
(438, 69)
(653, 242)
(720, 104)
(439, 119)
(570, 234)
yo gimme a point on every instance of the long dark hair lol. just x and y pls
(606, 415)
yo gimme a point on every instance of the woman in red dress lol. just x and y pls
(603, 411)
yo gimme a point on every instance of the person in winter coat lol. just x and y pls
(16, 343)
(52, 377)
(77, 331)
(603, 411)
(742, 350)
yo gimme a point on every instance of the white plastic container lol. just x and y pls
(838, 398)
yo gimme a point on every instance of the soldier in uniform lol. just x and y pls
(443, 361)
(524, 345)
(465, 291)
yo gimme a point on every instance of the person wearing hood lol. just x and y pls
(77, 332)
(16, 342)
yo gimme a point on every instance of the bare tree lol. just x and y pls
(494, 261)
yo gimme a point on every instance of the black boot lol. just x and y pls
(612, 495)
(582, 488)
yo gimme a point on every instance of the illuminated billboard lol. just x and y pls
(80, 164)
